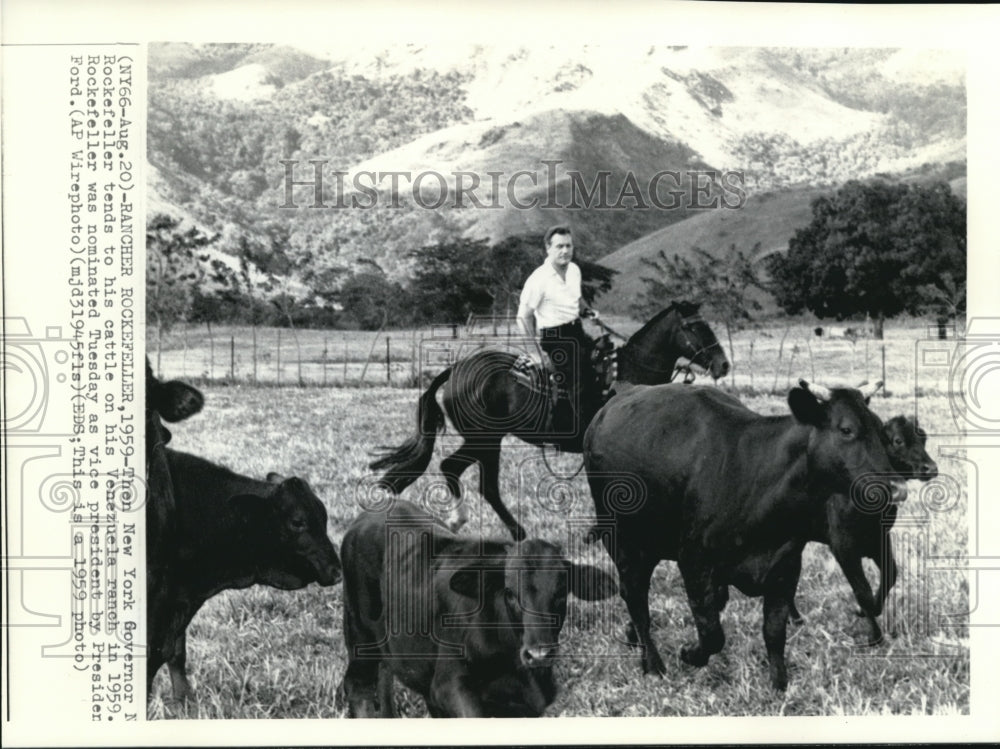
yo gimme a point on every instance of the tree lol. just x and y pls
(371, 301)
(451, 281)
(725, 286)
(174, 271)
(457, 278)
(878, 249)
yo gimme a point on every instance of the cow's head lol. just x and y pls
(847, 444)
(287, 529)
(171, 401)
(907, 446)
(528, 593)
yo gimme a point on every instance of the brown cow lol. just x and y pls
(472, 625)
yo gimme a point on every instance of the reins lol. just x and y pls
(545, 459)
(608, 329)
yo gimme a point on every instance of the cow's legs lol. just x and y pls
(634, 573)
(775, 622)
(175, 648)
(887, 573)
(452, 696)
(706, 600)
(386, 700)
(177, 663)
(850, 563)
(154, 659)
(779, 592)
(793, 611)
(359, 687)
(722, 594)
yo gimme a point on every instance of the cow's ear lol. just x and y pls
(248, 507)
(176, 401)
(476, 582)
(806, 407)
(590, 583)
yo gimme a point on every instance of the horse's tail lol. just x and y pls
(408, 461)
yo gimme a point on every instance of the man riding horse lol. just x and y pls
(486, 398)
(551, 306)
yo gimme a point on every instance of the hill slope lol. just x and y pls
(222, 118)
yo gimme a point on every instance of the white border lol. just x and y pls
(972, 28)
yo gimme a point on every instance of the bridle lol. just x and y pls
(687, 323)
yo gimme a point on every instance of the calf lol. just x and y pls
(725, 492)
(230, 532)
(853, 532)
(472, 625)
(171, 401)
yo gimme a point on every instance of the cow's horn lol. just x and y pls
(818, 390)
(867, 391)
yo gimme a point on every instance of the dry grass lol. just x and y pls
(266, 653)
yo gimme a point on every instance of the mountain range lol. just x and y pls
(742, 139)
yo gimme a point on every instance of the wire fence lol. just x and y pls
(911, 357)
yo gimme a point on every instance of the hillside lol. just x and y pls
(223, 117)
(767, 219)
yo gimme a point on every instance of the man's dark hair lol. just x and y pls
(556, 230)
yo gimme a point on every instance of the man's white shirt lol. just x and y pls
(553, 300)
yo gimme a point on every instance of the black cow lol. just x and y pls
(171, 401)
(855, 530)
(231, 532)
(470, 624)
(691, 474)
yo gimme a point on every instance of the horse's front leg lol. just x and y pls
(489, 482)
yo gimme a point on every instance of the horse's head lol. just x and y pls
(676, 332)
(695, 341)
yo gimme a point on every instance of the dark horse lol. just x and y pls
(485, 401)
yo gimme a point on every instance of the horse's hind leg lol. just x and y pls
(453, 467)
(487, 454)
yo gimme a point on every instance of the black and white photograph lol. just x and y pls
(497, 375)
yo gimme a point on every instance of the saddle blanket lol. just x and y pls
(529, 374)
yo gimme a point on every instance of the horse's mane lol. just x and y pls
(683, 307)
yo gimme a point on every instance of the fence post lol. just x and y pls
(253, 329)
(345, 360)
(232, 358)
(324, 361)
(279, 356)
(371, 350)
(388, 362)
(413, 358)
(885, 385)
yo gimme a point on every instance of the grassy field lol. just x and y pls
(265, 653)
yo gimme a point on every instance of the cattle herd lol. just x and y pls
(472, 624)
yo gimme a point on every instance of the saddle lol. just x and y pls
(540, 379)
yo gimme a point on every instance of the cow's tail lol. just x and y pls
(407, 462)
